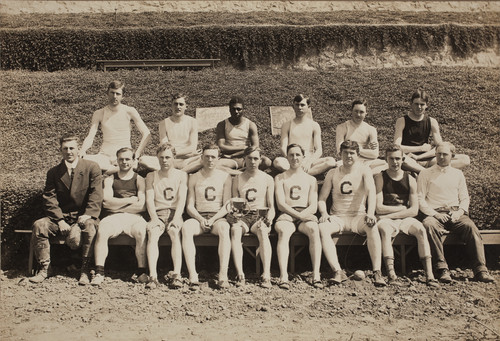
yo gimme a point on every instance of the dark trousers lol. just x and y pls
(44, 228)
(468, 232)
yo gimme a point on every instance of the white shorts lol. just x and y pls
(104, 161)
(119, 223)
(399, 225)
(349, 223)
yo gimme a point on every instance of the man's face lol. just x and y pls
(394, 160)
(125, 160)
(115, 96)
(252, 160)
(443, 156)
(166, 159)
(349, 156)
(179, 106)
(418, 106)
(301, 108)
(236, 111)
(295, 157)
(358, 113)
(209, 158)
(69, 151)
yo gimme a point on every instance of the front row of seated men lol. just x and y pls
(228, 207)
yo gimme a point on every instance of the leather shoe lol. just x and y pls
(484, 277)
(445, 276)
(84, 279)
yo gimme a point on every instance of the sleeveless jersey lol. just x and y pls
(359, 134)
(124, 188)
(166, 189)
(237, 135)
(296, 189)
(178, 132)
(209, 191)
(115, 131)
(254, 190)
(302, 134)
(348, 193)
(416, 133)
(396, 192)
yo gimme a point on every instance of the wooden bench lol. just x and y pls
(402, 243)
(250, 243)
(157, 63)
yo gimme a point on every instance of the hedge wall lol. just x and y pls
(240, 46)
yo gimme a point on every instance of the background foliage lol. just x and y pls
(37, 107)
(51, 49)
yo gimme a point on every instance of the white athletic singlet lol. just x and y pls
(302, 134)
(237, 135)
(209, 191)
(178, 132)
(362, 134)
(348, 192)
(166, 189)
(115, 131)
(296, 189)
(254, 190)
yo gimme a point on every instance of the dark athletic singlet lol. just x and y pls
(416, 133)
(124, 188)
(396, 192)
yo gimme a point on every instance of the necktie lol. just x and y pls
(71, 176)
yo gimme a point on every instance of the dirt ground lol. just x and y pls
(59, 309)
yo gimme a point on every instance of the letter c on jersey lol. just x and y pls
(167, 193)
(250, 195)
(293, 192)
(209, 193)
(346, 187)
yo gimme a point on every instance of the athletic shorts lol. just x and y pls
(248, 221)
(165, 217)
(208, 215)
(400, 225)
(349, 223)
(287, 217)
(238, 161)
(104, 161)
(119, 223)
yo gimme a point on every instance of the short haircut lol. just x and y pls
(116, 85)
(348, 144)
(420, 94)
(165, 146)
(210, 145)
(447, 144)
(177, 95)
(293, 145)
(235, 100)
(359, 101)
(125, 149)
(300, 97)
(393, 148)
(250, 150)
(68, 137)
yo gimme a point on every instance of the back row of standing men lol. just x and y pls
(209, 196)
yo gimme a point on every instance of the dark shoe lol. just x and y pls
(39, 277)
(318, 284)
(240, 281)
(484, 277)
(266, 283)
(142, 279)
(378, 280)
(432, 282)
(84, 279)
(194, 286)
(338, 277)
(284, 285)
(153, 283)
(444, 276)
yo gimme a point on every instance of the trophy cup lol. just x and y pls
(238, 207)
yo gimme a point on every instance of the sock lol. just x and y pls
(99, 270)
(389, 264)
(141, 271)
(85, 264)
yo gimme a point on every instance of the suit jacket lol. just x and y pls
(62, 199)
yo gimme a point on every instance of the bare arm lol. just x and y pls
(150, 197)
(89, 140)
(323, 196)
(340, 133)
(163, 132)
(285, 130)
(193, 141)
(146, 134)
(225, 198)
(279, 192)
(270, 199)
(371, 192)
(318, 149)
(181, 202)
(373, 151)
(400, 211)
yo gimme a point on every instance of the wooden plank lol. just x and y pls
(280, 115)
(208, 118)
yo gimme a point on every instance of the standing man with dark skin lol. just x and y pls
(444, 206)
(72, 200)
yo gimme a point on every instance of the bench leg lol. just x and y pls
(31, 255)
(402, 255)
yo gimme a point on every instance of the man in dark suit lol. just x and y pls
(72, 201)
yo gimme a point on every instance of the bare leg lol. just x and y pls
(311, 229)
(285, 230)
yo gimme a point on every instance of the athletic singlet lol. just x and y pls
(178, 133)
(237, 135)
(209, 191)
(416, 133)
(302, 134)
(254, 190)
(115, 131)
(166, 189)
(348, 192)
(296, 189)
(396, 192)
(124, 188)
(359, 134)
